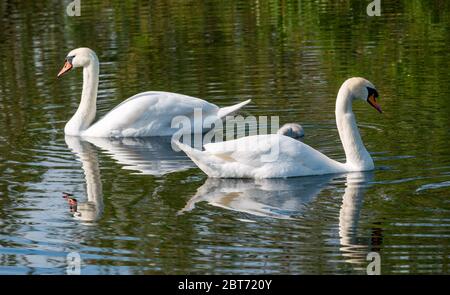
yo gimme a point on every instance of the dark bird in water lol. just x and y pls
(72, 201)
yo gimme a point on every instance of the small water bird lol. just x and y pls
(72, 201)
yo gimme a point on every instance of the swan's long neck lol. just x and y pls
(358, 159)
(85, 114)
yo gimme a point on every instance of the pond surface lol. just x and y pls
(144, 209)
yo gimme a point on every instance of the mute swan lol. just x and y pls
(144, 114)
(292, 130)
(275, 155)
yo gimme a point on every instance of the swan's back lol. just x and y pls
(169, 96)
(262, 156)
(148, 114)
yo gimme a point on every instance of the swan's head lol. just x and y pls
(363, 89)
(80, 57)
(292, 130)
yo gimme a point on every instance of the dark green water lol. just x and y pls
(152, 211)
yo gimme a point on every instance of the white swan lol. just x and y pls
(144, 114)
(275, 155)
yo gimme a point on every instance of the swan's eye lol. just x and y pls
(372, 99)
(70, 58)
(67, 65)
(372, 92)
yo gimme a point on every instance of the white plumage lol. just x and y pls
(275, 155)
(261, 156)
(144, 114)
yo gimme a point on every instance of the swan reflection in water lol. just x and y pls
(354, 251)
(277, 198)
(273, 198)
(289, 199)
(150, 156)
(92, 209)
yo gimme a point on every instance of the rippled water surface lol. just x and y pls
(146, 209)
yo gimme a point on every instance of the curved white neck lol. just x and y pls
(85, 114)
(358, 159)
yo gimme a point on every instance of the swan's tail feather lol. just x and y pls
(201, 158)
(223, 112)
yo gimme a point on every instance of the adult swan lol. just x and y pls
(275, 155)
(144, 114)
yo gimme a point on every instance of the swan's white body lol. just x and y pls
(244, 158)
(275, 155)
(144, 114)
(150, 114)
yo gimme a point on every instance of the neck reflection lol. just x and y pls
(354, 251)
(92, 209)
(150, 156)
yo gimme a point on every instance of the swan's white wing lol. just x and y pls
(262, 156)
(149, 114)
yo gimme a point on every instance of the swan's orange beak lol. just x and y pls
(373, 102)
(67, 67)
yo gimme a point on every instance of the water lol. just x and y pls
(146, 209)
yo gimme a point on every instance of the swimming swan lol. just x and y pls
(275, 155)
(144, 114)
